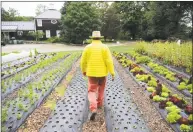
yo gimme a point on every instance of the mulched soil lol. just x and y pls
(39, 116)
(98, 125)
(151, 116)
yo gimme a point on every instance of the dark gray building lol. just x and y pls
(17, 29)
(47, 22)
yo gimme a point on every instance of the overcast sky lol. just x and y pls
(28, 8)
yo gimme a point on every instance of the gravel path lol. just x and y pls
(98, 125)
(44, 47)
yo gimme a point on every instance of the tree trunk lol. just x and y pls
(133, 36)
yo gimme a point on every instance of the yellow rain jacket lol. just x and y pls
(96, 60)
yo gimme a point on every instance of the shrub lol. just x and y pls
(87, 41)
(54, 39)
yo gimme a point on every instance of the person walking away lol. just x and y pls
(96, 63)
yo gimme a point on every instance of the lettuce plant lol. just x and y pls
(151, 89)
(173, 117)
(157, 98)
(164, 94)
(173, 108)
(185, 128)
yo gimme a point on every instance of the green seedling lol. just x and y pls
(20, 106)
(18, 116)
(4, 115)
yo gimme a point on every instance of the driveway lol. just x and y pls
(45, 47)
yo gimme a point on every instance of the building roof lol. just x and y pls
(17, 25)
(8, 28)
(49, 14)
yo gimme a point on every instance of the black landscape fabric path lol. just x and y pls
(121, 113)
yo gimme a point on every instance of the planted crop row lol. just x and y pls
(16, 111)
(172, 107)
(24, 65)
(19, 60)
(15, 82)
(169, 53)
(173, 79)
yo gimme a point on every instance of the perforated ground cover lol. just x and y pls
(121, 113)
(72, 111)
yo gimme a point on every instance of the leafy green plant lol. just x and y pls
(20, 106)
(173, 108)
(169, 103)
(4, 114)
(18, 116)
(54, 39)
(151, 89)
(30, 54)
(36, 52)
(185, 128)
(170, 77)
(143, 59)
(173, 117)
(182, 86)
(157, 98)
(190, 117)
(164, 94)
(152, 83)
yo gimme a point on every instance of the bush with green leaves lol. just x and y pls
(87, 41)
(54, 39)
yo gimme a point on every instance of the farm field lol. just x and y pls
(152, 91)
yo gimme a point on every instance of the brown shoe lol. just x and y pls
(92, 116)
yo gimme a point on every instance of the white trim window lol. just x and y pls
(58, 33)
(42, 32)
(47, 33)
(39, 22)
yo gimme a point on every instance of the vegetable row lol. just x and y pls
(22, 66)
(18, 61)
(18, 80)
(16, 111)
(175, 109)
(175, 80)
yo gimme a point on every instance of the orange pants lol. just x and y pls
(96, 84)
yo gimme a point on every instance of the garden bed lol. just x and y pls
(183, 109)
(16, 111)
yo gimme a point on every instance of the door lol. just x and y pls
(47, 33)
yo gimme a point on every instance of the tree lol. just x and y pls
(110, 20)
(40, 9)
(165, 19)
(80, 19)
(130, 12)
(13, 15)
(37, 35)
